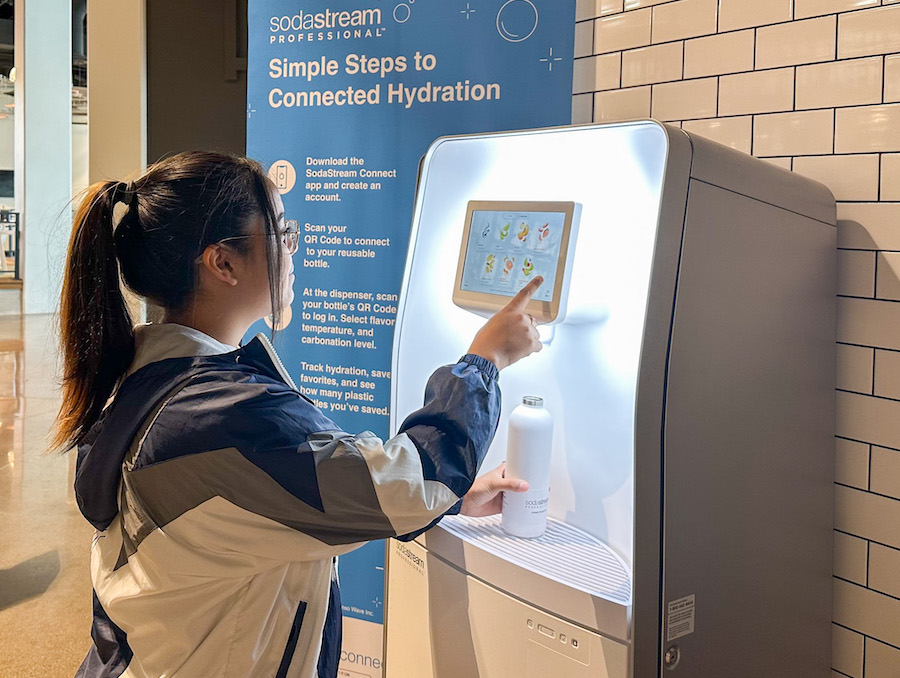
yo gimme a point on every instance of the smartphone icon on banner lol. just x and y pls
(281, 177)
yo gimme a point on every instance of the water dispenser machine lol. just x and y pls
(688, 323)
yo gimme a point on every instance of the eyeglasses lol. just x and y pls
(290, 236)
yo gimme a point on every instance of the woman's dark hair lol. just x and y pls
(173, 212)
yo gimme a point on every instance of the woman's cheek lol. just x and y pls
(288, 294)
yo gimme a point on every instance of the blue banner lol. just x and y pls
(343, 100)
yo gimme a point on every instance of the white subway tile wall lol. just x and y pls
(648, 65)
(597, 73)
(851, 467)
(683, 100)
(718, 54)
(869, 31)
(867, 128)
(848, 651)
(884, 565)
(887, 281)
(881, 660)
(812, 86)
(840, 83)
(886, 375)
(856, 274)
(799, 42)
(734, 14)
(892, 78)
(736, 132)
(850, 177)
(760, 92)
(869, 226)
(588, 9)
(890, 176)
(808, 8)
(801, 133)
(622, 31)
(622, 104)
(783, 163)
(584, 39)
(683, 19)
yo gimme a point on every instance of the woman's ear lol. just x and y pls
(219, 263)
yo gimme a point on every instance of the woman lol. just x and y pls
(221, 496)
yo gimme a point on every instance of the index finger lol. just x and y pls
(520, 301)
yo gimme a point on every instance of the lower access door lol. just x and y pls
(443, 623)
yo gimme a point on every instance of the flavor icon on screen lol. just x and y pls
(489, 263)
(509, 265)
(504, 232)
(523, 231)
(528, 267)
(489, 269)
(543, 238)
(485, 235)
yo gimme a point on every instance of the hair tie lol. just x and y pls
(124, 193)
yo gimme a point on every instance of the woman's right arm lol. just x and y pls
(256, 490)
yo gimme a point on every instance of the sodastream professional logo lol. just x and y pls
(327, 25)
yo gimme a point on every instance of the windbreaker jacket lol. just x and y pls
(222, 496)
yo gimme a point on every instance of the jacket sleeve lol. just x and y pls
(424, 471)
(271, 475)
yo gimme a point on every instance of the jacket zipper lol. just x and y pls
(276, 361)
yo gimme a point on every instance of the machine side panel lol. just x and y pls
(749, 442)
(649, 407)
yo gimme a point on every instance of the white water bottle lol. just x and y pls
(528, 448)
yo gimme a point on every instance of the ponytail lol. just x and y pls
(173, 211)
(95, 326)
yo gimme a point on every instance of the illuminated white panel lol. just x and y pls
(587, 372)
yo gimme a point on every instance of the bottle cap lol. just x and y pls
(533, 401)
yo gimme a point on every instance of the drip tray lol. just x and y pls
(566, 571)
(564, 554)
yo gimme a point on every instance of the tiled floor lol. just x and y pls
(45, 589)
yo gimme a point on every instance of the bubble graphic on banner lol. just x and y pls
(286, 315)
(283, 175)
(402, 13)
(517, 20)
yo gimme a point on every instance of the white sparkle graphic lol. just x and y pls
(550, 59)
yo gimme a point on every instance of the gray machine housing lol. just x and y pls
(734, 481)
(733, 425)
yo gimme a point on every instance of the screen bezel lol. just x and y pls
(484, 302)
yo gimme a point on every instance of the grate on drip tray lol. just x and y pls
(563, 553)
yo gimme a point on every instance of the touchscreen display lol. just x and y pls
(507, 249)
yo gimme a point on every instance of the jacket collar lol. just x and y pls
(159, 341)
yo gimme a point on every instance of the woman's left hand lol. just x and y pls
(486, 496)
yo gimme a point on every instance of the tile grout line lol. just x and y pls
(871, 541)
(865, 637)
(866, 442)
(875, 591)
(868, 560)
(871, 492)
(875, 350)
(869, 476)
